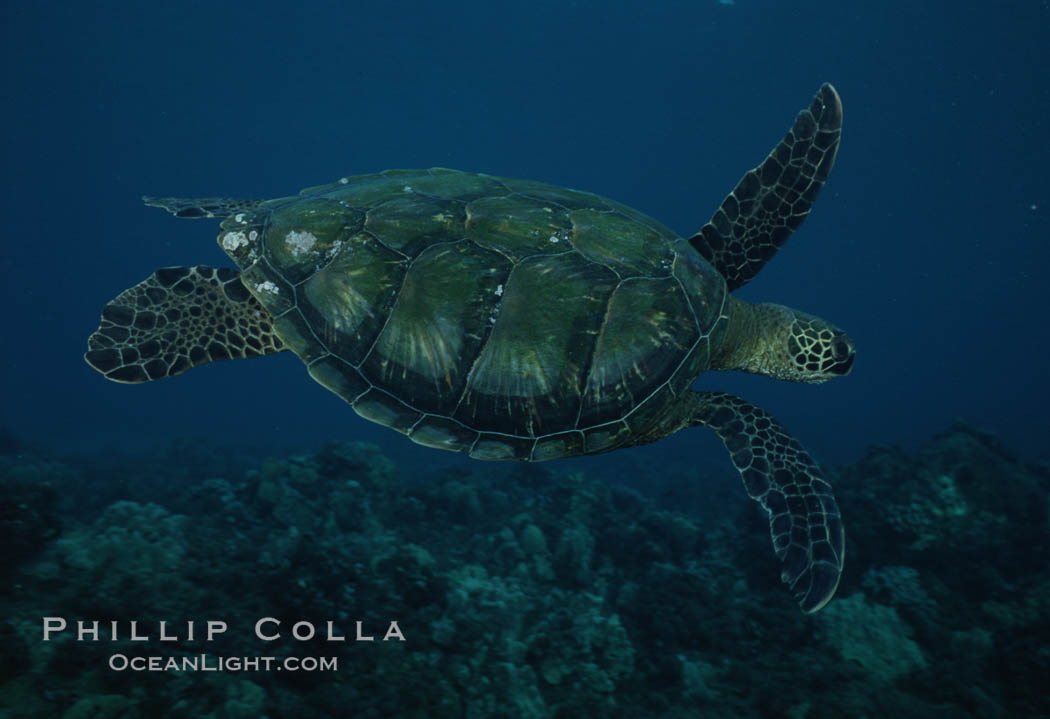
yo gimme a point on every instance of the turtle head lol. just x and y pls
(783, 343)
(816, 349)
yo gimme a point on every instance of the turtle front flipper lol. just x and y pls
(178, 318)
(197, 207)
(772, 200)
(804, 519)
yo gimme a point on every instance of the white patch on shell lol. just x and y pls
(299, 242)
(407, 188)
(499, 290)
(333, 250)
(559, 236)
(269, 287)
(233, 241)
(239, 218)
(343, 180)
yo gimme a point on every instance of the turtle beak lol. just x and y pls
(843, 368)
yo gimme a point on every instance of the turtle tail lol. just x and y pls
(178, 318)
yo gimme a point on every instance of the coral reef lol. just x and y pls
(520, 591)
(28, 512)
(873, 637)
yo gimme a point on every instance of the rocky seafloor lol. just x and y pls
(530, 592)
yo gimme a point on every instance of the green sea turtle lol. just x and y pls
(512, 319)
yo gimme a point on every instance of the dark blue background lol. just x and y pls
(929, 243)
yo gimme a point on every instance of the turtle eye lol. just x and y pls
(840, 349)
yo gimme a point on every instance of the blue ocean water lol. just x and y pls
(928, 245)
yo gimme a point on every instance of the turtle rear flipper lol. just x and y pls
(772, 200)
(804, 518)
(196, 207)
(178, 318)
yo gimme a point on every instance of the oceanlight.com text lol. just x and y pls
(212, 663)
